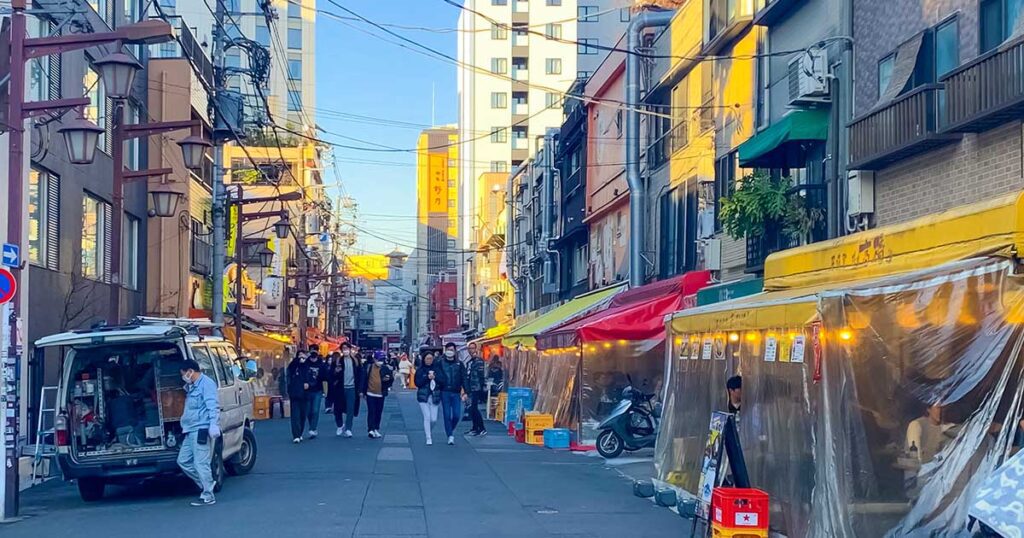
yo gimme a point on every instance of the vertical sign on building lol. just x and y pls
(437, 184)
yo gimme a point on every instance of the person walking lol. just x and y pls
(346, 376)
(404, 370)
(496, 375)
(476, 389)
(299, 381)
(377, 379)
(318, 375)
(453, 378)
(200, 422)
(332, 359)
(429, 384)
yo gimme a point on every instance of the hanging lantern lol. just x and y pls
(118, 73)
(193, 148)
(266, 257)
(165, 203)
(81, 137)
(283, 226)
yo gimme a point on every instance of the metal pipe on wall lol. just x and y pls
(637, 189)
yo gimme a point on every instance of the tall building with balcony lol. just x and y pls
(440, 256)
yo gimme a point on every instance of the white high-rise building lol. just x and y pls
(518, 58)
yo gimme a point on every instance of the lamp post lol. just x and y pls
(81, 145)
(282, 229)
(164, 201)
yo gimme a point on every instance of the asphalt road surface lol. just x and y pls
(396, 486)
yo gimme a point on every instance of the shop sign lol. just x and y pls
(248, 287)
(729, 290)
(273, 291)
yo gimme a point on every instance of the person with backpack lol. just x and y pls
(453, 378)
(429, 384)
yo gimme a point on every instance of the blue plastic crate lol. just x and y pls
(556, 438)
(520, 400)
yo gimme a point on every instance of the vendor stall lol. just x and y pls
(524, 367)
(613, 347)
(881, 375)
(271, 351)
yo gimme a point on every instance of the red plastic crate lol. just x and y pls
(521, 436)
(739, 508)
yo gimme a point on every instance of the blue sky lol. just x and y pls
(360, 74)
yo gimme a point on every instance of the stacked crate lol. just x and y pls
(739, 513)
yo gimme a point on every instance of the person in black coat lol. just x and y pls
(429, 383)
(346, 379)
(300, 378)
(476, 389)
(377, 379)
(453, 376)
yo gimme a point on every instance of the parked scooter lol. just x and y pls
(632, 425)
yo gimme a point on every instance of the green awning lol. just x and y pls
(781, 144)
(525, 334)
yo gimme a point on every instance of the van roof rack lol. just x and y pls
(188, 323)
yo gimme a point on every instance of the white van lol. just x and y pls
(121, 399)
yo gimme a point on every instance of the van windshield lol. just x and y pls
(120, 396)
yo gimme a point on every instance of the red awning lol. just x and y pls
(633, 315)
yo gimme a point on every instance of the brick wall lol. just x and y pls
(979, 167)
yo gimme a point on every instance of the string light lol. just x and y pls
(734, 337)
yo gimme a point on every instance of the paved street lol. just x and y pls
(359, 487)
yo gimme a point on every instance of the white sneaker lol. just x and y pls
(340, 432)
(297, 440)
(348, 433)
(451, 439)
(313, 434)
(376, 434)
(429, 441)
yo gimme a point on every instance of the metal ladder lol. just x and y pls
(46, 442)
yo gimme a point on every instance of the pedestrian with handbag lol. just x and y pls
(429, 384)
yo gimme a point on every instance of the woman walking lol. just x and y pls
(428, 393)
(404, 369)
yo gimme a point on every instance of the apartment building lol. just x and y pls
(599, 25)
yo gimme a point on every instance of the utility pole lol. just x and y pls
(219, 205)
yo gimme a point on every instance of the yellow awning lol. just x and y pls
(524, 335)
(493, 333)
(972, 230)
(773, 309)
(252, 341)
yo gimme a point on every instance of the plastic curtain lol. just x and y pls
(906, 396)
(606, 369)
(555, 386)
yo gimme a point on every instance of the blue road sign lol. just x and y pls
(8, 286)
(11, 255)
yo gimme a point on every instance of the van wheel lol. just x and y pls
(91, 489)
(217, 468)
(245, 460)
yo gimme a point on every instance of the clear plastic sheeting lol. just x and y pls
(606, 369)
(556, 386)
(881, 417)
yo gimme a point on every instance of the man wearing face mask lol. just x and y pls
(299, 382)
(346, 375)
(200, 422)
(453, 375)
(315, 394)
(476, 387)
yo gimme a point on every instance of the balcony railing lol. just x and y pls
(987, 91)
(520, 74)
(661, 150)
(520, 39)
(520, 109)
(907, 126)
(520, 143)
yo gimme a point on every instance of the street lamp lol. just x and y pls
(192, 150)
(266, 256)
(165, 203)
(283, 226)
(118, 73)
(81, 137)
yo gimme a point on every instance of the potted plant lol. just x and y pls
(761, 203)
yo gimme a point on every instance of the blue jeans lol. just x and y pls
(316, 400)
(195, 459)
(451, 410)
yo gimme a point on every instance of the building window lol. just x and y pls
(553, 66)
(586, 46)
(499, 2)
(450, 264)
(294, 9)
(294, 101)
(499, 135)
(263, 35)
(95, 238)
(130, 148)
(96, 110)
(947, 47)
(885, 66)
(499, 100)
(499, 32)
(997, 20)
(499, 166)
(130, 252)
(43, 219)
(587, 14)
(295, 69)
(761, 114)
(677, 232)
(553, 31)
(625, 14)
(583, 75)
(451, 244)
(295, 38)
(552, 99)
(579, 264)
(725, 183)
(499, 65)
(554, 2)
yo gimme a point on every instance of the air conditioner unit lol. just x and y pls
(860, 192)
(713, 254)
(807, 76)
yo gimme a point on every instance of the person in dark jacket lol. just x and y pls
(299, 381)
(377, 379)
(476, 389)
(318, 373)
(429, 384)
(453, 378)
(345, 381)
(496, 375)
